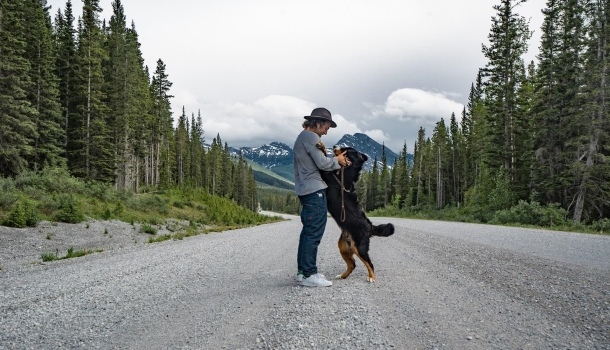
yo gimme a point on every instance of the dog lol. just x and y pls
(343, 205)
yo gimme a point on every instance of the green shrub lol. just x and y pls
(50, 180)
(8, 192)
(17, 216)
(146, 203)
(532, 213)
(602, 225)
(159, 238)
(50, 256)
(119, 209)
(101, 191)
(34, 192)
(71, 254)
(146, 228)
(156, 221)
(59, 180)
(69, 210)
(31, 215)
(49, 203)
(106, 213)
(23, 215)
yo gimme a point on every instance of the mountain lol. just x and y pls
(370, 147)
(277, 156)
(270, 155)
(267, 178)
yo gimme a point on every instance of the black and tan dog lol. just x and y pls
(356, 228)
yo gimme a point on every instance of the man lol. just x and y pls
(309, 158)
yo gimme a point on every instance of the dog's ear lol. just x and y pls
(337, 150)
(363, 157)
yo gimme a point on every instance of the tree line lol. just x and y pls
(533, 133)
(78, 95)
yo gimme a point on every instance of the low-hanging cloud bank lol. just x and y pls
(279, 118)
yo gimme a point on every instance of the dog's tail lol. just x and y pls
(384, 230)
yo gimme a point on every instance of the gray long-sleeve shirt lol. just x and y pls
(308, 161)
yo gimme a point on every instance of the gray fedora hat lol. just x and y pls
(321, 113)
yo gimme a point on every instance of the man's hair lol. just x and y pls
(313, 123)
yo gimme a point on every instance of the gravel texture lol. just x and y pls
(439, 285)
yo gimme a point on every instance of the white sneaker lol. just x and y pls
(316, 280)
(299, 276)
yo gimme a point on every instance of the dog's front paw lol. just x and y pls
(370, 279)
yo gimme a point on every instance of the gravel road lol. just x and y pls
(439, 285)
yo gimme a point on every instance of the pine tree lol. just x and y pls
(90, 151)
(197, 151)
(44, 93)
(17, 130)
(402, 177)
(508, 42)
(592, 124)
(373, 188)
(161, 128)
(474, 129)
(384, 179)
(418, 178)
(555, 101)
(181, 139)
(65, 48)
(524, 134)
(393, 189)
(457, 160)
(116, 82)
(442, 163)
(429, 172)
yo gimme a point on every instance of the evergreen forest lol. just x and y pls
(533, 143)
(76, 99)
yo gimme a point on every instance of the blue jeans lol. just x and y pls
(313, 218)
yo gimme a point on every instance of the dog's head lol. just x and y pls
(356, 158)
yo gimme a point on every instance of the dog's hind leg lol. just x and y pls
(362, 252)
(346, 247)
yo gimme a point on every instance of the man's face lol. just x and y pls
(322, 129)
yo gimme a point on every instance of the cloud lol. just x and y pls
(397, 121)
(272, 118)
(421, 106)
(378, 135)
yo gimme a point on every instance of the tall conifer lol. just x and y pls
(44, 93)
(65, 48)
(592, 125)
(17, 130)
(508, 42)
(161, 127)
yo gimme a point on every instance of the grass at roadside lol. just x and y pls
(54, 195)
(193, 232)
(523, 214)
(70, 254)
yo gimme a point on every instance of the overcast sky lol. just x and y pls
(255, 68)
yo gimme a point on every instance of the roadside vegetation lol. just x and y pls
(523, 214)
(70, 254)
(54, 195)
(531, 145)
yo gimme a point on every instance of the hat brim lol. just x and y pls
(332, 123)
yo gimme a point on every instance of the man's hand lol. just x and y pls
(343, 160)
